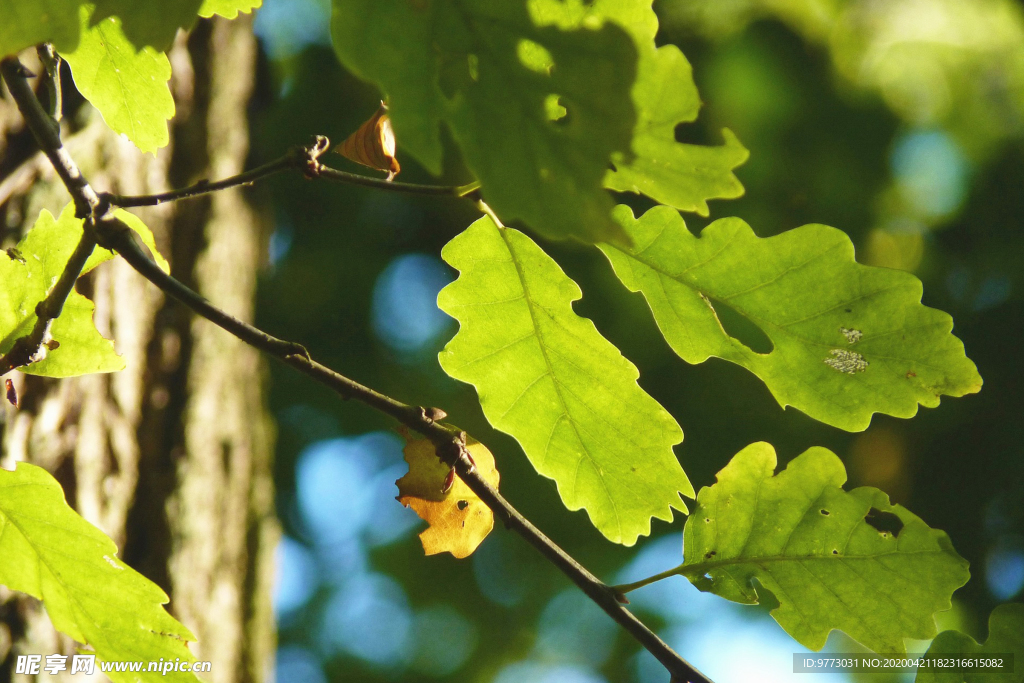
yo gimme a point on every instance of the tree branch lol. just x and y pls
(33, 346)
(305, 159)
(449, 443)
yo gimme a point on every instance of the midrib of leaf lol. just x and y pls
(558, 388)
(688, 282)
(120, 81)
(700, 568)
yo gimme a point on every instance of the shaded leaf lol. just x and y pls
(26, 279)
(144, 22)
(681, 175)
(49, 552)
(804, 539)
(547, 377)
(1005, 636)
(467, 64)
(846, 340)
(458, 520)
(127, 86)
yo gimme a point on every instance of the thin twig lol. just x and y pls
(449, 444)
(51, 62)
(41, 125)
(33, 346)
(305, 159)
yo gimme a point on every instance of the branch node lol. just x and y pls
(432, 415)
(296, 350)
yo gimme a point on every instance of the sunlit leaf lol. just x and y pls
(1005, 636)
(458, 520)
(49, 552)
(28, 23)
(26, 279)
(547, 377)
(832, 559)
(681, 175)
(833, 338)
(127, 86)
(228, 8)
(470, 64)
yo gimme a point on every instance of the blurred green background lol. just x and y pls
(900, 122)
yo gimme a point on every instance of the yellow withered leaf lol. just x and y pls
(458, 520)
(373, 144)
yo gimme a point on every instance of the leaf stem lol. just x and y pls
(450, 445)
(628, 587)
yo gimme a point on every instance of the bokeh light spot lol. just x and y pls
(295, 578)
(369, 618)
(535, 672)
(1004, 567)
(297, 665)
(574, 630)
(405, 313)
(444, 640)
(286, 27)
(931, 172)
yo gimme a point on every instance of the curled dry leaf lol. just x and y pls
(458, 520)
(373, 144)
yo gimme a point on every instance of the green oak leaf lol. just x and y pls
(547, 377)
(845, 340)
(145, 22)
(26, 279)
(681, 175)
(834, 559)
(48, 551)
(29, 23)
(127, 86)
(1005, 636)
(472, 65)
(228, 8)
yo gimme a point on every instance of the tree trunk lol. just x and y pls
(170, 457)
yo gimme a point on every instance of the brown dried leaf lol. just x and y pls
(458, 520)
(373, 144)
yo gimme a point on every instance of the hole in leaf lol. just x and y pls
(740, 328)
(835, 552)
(707, 520)
(884, 522)
(463, 504)
(824, 512)
(689, 134)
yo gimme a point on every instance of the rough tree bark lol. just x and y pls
(170, 457)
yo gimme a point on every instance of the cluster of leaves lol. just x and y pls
(553, 104)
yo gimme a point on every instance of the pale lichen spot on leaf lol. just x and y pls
(846, 361)
(852, 336)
